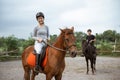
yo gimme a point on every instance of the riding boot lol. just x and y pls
(37, 62)
(40, 62)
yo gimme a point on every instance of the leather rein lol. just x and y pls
(58, 48)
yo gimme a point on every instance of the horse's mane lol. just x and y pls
(84, 43)
(61, 35)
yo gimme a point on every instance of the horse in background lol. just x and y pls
(90, 54)
(55, 59)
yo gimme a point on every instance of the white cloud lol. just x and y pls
(97, 12)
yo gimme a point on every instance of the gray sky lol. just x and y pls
(18, 16)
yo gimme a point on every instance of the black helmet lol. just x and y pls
(39, 14)
(89, 30)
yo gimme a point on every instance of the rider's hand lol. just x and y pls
(91, 41)
(39, 40)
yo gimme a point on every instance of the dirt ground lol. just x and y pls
(108, 68)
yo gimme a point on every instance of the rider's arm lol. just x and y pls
(94, 39)
(35, 35)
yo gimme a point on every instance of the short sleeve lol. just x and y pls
(93, 37)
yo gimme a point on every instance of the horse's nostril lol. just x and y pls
(73, 53)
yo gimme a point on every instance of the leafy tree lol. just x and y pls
(53, 38)
(117, 36)
(26, 43)
(2, 42)
(109, 35)
(11, 43)
(80, 36)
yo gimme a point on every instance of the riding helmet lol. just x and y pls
(39, 14)
(89, 30)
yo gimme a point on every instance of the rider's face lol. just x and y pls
(40, 20)
(89, 33)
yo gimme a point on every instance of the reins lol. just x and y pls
(59, 48)
(55, 47)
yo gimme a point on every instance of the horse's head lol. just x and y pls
(84, 45)
(69, 41)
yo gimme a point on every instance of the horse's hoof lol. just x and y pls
(93, 73)
(95, 70)
(87, 73)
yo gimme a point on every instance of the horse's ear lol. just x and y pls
(61, 30)
(72, 28)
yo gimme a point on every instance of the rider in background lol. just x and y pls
(41, 32)
(91, 38)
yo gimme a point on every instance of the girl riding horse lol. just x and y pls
(55, 64)
(41, 32)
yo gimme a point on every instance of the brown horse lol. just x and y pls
(56, 56)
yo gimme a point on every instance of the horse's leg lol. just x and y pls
(87, 64)
(49, 76)
(33, 75)
(58, 77)
(27, 73)
(91, 60)
(95, 64)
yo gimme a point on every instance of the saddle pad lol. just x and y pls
(31, 59)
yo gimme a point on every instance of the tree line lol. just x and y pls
(105, 41)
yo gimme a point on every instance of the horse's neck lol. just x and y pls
(60, 42)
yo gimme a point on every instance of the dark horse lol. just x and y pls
(56, 56)
(90, 54)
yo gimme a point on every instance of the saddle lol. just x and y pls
(43, 52)
(31, 57)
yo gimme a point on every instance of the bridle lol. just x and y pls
(68, 47)
(66, 50)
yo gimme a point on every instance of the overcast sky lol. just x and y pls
(18, 16)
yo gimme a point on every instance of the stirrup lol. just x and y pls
(38, 69)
